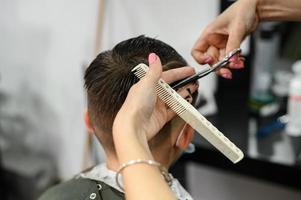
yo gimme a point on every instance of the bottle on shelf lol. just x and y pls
(293, 127)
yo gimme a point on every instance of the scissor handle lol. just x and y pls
(226, 59)
(199, 75)
(232, 53)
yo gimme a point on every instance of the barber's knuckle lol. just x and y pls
(196, 52)
(209, 30)
(193, 70)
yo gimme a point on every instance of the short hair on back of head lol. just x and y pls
(108, 78)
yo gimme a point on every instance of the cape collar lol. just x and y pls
(102, 173)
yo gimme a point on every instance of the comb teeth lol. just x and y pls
(139, 73)
(190, 115)
(162, 92)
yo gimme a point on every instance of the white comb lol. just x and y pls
(190, 115)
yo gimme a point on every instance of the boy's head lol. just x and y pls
(109, 78)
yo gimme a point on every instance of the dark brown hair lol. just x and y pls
(109, 78)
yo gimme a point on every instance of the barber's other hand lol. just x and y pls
(143, 113)
(225, 34)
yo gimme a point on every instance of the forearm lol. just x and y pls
(141, 181)
(279, 10)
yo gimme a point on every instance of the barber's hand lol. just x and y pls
(143, 113)
(225, 34)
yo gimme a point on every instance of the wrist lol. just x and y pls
(279, 10)
(132, 149)
(261, 10)
(258, 5)
(253, 6)
(125, 132)
(130, 144)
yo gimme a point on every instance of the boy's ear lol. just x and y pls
(185, 137)
(88, 123)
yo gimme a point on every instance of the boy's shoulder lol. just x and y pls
(82, 189)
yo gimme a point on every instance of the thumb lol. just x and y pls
(155, 69)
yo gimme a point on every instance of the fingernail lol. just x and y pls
(238, 65)
(227, 76)
(152, 57)
(233, 58)
(208, 60)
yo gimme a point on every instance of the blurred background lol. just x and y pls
(45, 47)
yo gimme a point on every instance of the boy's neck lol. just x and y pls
(112, 163)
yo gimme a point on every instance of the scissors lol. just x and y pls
(201, 74)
